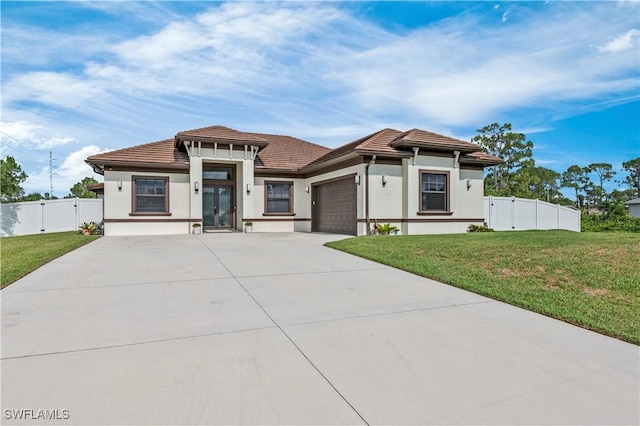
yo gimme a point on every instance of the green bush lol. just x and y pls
(609, 223)
(479, 228)
(386, 229)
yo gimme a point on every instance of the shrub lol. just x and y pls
(479, 228)
(609, 223)
(386, 229)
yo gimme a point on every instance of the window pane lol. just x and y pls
(150, 195)
(433, 201)
(217, 172)
(278, 198)
(433, 192)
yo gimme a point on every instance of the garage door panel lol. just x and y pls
(336, 204)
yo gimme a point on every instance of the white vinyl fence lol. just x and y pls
(37, 217)
(517, 214)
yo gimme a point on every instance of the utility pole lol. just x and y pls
(51, 174)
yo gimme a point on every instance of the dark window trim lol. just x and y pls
(266, 191)
(447, 210)
(166, 211)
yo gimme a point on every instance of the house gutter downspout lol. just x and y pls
(366, 193)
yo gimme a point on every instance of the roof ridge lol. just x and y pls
(288, 136)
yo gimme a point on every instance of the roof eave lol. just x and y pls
(101, 165)
(403, 143)
(484, 162)
(340, 158)
(195, 138)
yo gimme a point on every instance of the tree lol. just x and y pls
(633, 180)
(604, 172)
(34, 196)
(575, 177)
(11, 176)
(500, 141)
(80, 189)
(537, 182)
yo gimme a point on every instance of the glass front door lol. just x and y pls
(217, 211)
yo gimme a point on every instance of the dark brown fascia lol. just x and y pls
(100, 167)
(266, 172)
(340, 158)
(430, 145)
(479, 161)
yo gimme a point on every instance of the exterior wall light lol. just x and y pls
(306, 189)
(385, 179)
(357, 179)
(248, 188)
(119, 185)
(196, 186)
(469, 184)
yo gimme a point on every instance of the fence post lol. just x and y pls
(513, 212)
(42, 204)
(557, 216)
(77, 209)
(536, 215)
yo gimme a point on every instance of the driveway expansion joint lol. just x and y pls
(288, 337)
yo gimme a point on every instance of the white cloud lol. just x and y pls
(73, 168)
(622, 42)
(312, 70)
(32, 135)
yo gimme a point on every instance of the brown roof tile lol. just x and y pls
(375, 142)
(289, 153)
(481, 158)
(423, 138)
(219, 132)
(286, 152)
(158, 153)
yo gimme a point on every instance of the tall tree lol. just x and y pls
(537, 182)
(605, 172)
(11, 176)
(575, 177)
(80, 189)
(633, 179)
(513, 148)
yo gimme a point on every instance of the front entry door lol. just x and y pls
(217, 211)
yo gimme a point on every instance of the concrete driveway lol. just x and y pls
(277, 329)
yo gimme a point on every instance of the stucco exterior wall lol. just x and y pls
(634, 210)
(119, 205)
(397, 202)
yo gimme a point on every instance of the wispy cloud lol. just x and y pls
(622, 42)
(30, 135)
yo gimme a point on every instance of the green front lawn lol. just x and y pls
(21, 255)
(588, 279)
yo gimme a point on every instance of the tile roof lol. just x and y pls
(422, 138)
(286, 152)
(374, 143)
(481, 158)
(219, 133)
(634, 201)
(289, 153)
(157, 153)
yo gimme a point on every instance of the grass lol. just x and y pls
(588, 279)
(24, 254)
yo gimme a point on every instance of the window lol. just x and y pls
(150, 195)
(216, 172)
(278, 197)
(434, 191)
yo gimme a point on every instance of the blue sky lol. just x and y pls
(84, 77)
